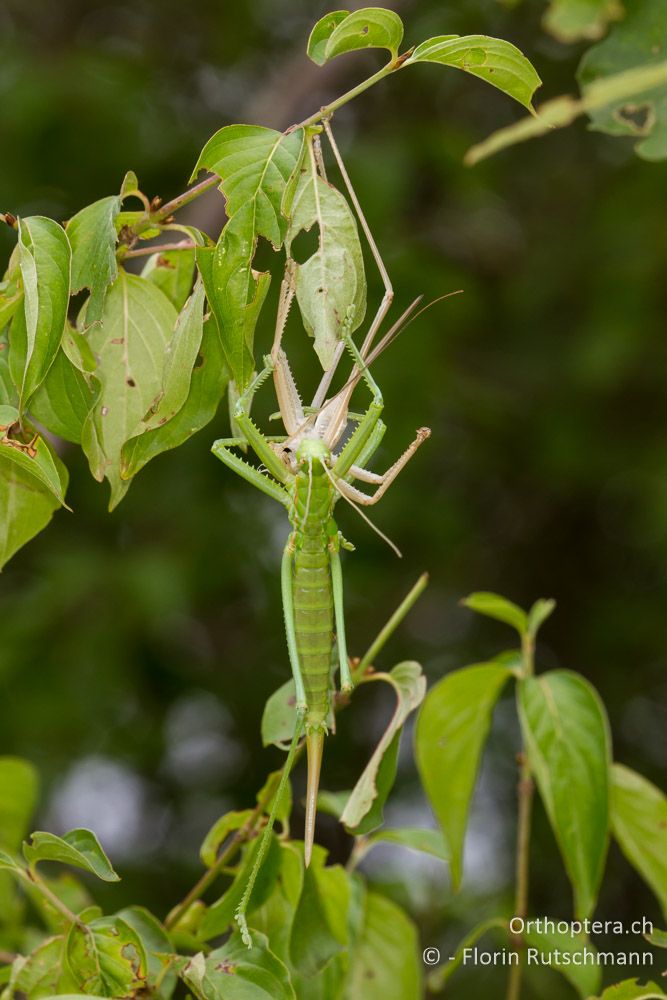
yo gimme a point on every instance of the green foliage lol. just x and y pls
(340, 32)
(631, 989)
(639, 39)
(567, 738)
(80, 848)
(639, 824)
(491, 59)
(452, 729)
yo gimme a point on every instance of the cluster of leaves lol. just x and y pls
(622, 78)
(140, 362)
(323, 931)
(587, 797)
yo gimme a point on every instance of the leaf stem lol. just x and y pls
(33, 879)
(159, 248)
(526, 789)
(390, 627)
(184, 199)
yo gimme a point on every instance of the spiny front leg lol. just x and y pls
(385, 480)
(221, 450)
(286, 580)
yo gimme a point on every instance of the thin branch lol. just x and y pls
(159, 248)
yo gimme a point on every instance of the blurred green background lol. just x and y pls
(138, 648)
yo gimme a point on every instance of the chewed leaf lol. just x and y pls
(26, 506)
(361, 813)
(80, 848)
(492, 59)
(92, 235)
(331, 283)
(107, 957)
(237, 971)
(368, 28)
(37, 459)
(321, 33)
(638, 42)
(254, 165)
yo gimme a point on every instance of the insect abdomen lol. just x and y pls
(313, 614)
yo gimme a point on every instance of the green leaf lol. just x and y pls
(331, 284)
(107, 957)
(451, 731)
(495, 606)
(208, 382)
(130, 344)
(657, 938)
(44, 971)
(538, 614)
(157, 946)
(173, 272)
(630, 989)
(19, 788)
(321, 33)
(368, 28)
(585, 978)
(92, 236)
(572, 20)
(319, 929)
(44, 259)
(33, 454)
(220, 916)
(254, 165)
(566, 732)
(180, 357)
(409, 684)
(638, 41)
(279, 716)
(8, 863)
(235, 972)
(216, 836)
(332, 803)
(639, 824)
(386, 959)
(26, 506)
(80, 848)
(64, 399)
(491, 59)
(416, 838)
(235, 291)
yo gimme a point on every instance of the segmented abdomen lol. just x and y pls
(314, 619)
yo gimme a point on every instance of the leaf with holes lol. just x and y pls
(44, 258)
(451, 731)
(32, 453)
(130, 344)
(639, 40)
(107, 957)
(254, 165)
(369, 28)
(238, 973)
(92, 236)
(208, 382)
(566, 732)
(331, 283)
(157, 946)
(363, 811)
(26, 506)
(491, 59)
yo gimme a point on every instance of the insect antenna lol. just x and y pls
(363, 515)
